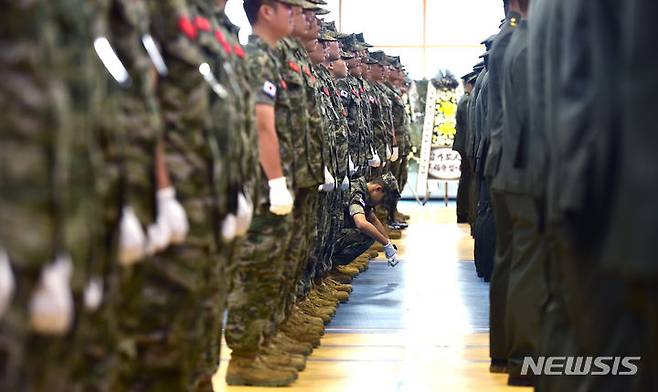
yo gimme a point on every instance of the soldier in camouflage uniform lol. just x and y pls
(350, 91)
(363, 228)
(260, 263)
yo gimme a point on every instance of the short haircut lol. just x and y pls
(252, 7)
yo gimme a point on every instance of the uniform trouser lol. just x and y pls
(403, 176)
(315, 265)
(257, 272)
(294, 259)
(164, 323)
(474, 197)
(463, 192)
(350, 244)
(485, 234)
(527, 291)
(597, 307)
(500, 279)
(645, 303)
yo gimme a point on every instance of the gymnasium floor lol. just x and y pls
(422, 326)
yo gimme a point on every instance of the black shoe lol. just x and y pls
(498, 366)
(520, 381)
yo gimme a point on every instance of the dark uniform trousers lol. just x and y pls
(350, 244)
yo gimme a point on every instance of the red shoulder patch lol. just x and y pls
(237, 49)
(294, 66)
(284, 85)
(222, 41)
(325, 90)
(307, 71)
(186, 27)
(202, 23)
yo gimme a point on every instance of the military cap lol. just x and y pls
(319, 2)
(326, 36)
(394, 61)
(468, 76)
(473, 78)
(391, 191)
(484, 55)
(351, 44)
(299, 3)
(370, 61)
(308, 6)
(320, 11)
(489, 41)
(362, 40)
(380, 57)
(346, 56)
(478, 67)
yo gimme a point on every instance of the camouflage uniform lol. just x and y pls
(351, 242)
(350, 92)
(401, 126)
(163, 305)
(259, 266)
(307, 171)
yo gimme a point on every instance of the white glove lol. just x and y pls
(396, 154)
(51, 305)
(171, 213)
(393, 261)
(390, 250)
(159, 237)
(375, 161)
(230, 228)
(353, 168)
(329, 182)
(7, 282)
(132, 241)
(388, 152)
(94, 294)
(345, 185)
(245, 214)
(281, 201)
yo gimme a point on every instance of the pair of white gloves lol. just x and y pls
(391, 253)
(51, 304)
(392, 156)
(330, 183)
(170, 227)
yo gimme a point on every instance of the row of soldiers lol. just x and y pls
(155, 174)
(556, 135)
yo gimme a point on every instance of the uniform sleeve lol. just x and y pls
(262, 76)
(357, 204)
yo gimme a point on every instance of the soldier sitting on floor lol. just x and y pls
(362, 228)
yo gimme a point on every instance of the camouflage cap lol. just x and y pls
(326, 36)
(380, 57)
(394, 61)
(346, 56)
(370, 61)
(299, 3)
(391, 191)
(320, 11)
(319, 2)
(350, 44)
(360, 39)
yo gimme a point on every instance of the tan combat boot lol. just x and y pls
(301, 333)
(394, 234)
(339, 286)
(276, 356)
(340, 277)
(253, 371)
(292, 345)
(347, 270)
(300, 317)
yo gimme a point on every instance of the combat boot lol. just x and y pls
(292, 345)
(378, 248)
(321, 301)
(340, 277)
(338, 295)
(328, 296)
(309, 308)
(253, 371)
(339, 286)
(298, 316)
(273, 355)
(395, 234)
(347, 270)
(301, 333)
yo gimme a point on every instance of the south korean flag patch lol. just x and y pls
(344, 94)
(269, 89)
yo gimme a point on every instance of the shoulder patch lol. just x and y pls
(294, 66)
(344, 94)
(270, 89)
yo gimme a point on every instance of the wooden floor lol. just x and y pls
(422, 326)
